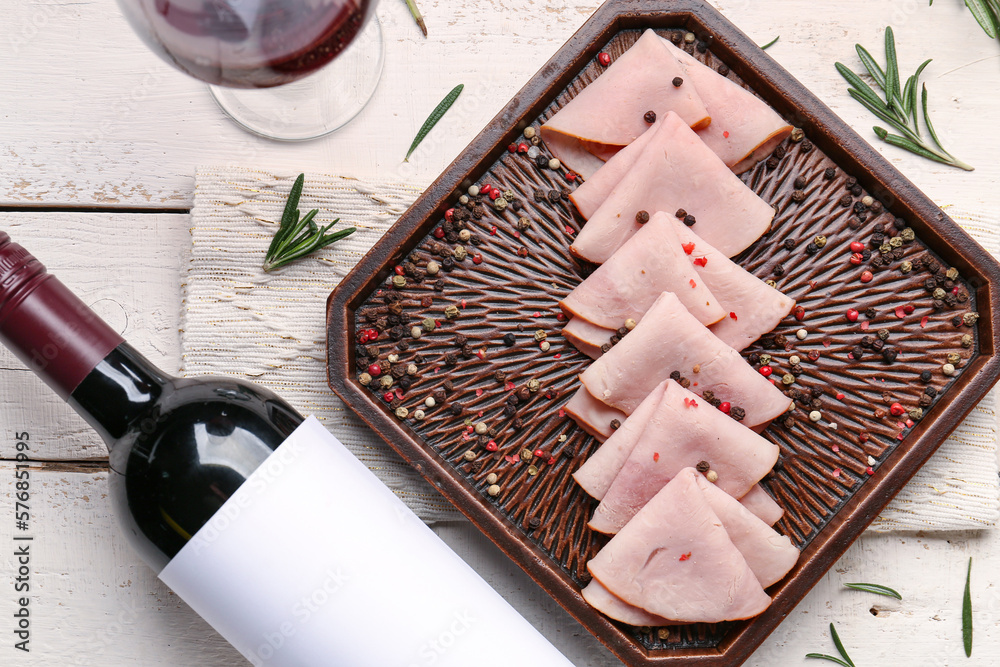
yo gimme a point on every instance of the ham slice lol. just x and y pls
(605, 602)
(670, 339)
(675, 560)
(676, 171)
(586, 337)
(592, 415)
(752, 306)
(744, 128)
(762, 505)
(599, 471)
(769, 554)
(683, 431)
(650, 262)
(590, 194)
(609, 113)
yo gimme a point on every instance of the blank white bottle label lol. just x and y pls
(313, 562)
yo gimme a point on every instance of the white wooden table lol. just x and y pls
(98, 145)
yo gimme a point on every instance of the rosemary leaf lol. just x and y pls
(823, 656)
(435, 116)
(771, 43)
(985, 16)
(967, 613)
(873, 67)
(859, 85)
(840, 645)
(899, 109)
(878, 589)
(297, 237)
(892, 88)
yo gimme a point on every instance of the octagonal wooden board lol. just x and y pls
(833, 476)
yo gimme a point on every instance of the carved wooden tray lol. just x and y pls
(481, 359)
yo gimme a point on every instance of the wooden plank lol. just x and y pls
(94, 603)
(91, 117)
(125, 266)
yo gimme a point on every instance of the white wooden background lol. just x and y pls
(91, 122)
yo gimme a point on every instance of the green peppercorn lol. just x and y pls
(907, 234)
(399, 282)
(451, 312)
(820, 241)
(906, 267)
(460, 251)
(534, 385)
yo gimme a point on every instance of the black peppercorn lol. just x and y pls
(554, 196)
(689, 220)
(678, 82)
(858, 352)
(680, 214)
(509, 340)
(779, 270)
(812, 249)
(790, 244)
(737, 413)
(723, 70)
(829, 173)
(889, 354)
(772, 163)
(800, 182)
(649, 117)
(846, 200)
(541, 161)
(642, 217)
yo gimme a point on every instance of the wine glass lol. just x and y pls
(268, 62)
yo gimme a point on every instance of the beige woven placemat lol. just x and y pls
(270, 328)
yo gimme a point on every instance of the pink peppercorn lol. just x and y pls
(799, 312)
(375, 370)
(604, 59)
(725, 407)
(813, 355)
(438, 233)
(857, 258)
(539, 453)
(857, 247)
(398, 270)
(896, 409)
(494, 193)
(512, 148)
(522, 147)
(477, 259)
(852, 315)
(491, 446)
(866, 276)
(449, 215)
(766, 371)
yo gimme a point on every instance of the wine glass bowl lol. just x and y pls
(328, 50)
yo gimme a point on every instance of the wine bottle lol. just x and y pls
(262, 521)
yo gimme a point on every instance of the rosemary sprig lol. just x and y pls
(297, 237)
(877, 589)
(419, 18)
(771, 43)
(435, 116)
(846, 662)
(899, 109)
(967, 613)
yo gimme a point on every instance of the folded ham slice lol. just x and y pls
(592, 415)
(609, 113)
(752, 306)
(651, 262)
(667, 339)
(598, 472)
(675, 560)
(762, 505)
(586, 337)
(611, 606)
(683, 431)
(590, 194)
(744, 129)
(675, 171)
(769, 554)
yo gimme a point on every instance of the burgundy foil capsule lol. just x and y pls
(54, 333)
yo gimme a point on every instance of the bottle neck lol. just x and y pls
(122, 387)
(48, 327)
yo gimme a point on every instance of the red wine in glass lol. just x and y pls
(253, 44)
